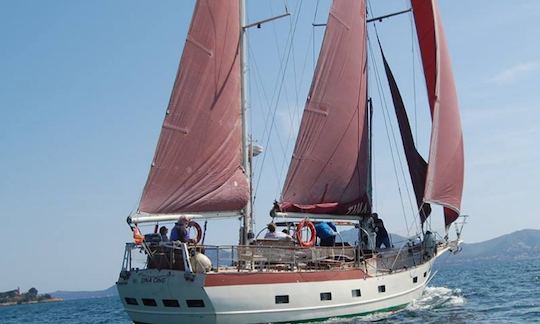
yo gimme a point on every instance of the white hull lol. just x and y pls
(256, 303)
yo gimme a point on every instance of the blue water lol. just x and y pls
(485, 293)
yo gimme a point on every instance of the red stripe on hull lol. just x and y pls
(260, 278)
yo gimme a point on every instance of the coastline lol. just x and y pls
(50, 300)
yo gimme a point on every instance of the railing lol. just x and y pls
(267, 255)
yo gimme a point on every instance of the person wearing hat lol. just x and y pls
(180, 231)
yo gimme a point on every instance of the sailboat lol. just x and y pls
(201, 171)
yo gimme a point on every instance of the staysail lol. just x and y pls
(329, 171)
(197, 166)
(416, 163)
(444, 183)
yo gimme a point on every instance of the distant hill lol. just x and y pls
(351, 236)
(520, 245)
(67, 295)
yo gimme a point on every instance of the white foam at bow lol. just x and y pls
(435, 297)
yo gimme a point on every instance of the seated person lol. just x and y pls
(180, 231)
(326, 232)
(273, 235)
(163, 232)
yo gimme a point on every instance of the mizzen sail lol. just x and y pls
(329, 171)
(197, 166)
(444, 183)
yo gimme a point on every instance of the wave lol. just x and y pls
(437, 297)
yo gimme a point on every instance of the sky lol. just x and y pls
(84, 86)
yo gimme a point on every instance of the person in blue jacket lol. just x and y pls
(180, 231)
(326, 232)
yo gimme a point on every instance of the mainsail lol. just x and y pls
(197, 166)
(444, 183)
(330, 169)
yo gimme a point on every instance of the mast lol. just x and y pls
(247, 230)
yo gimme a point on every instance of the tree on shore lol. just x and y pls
(32, 292)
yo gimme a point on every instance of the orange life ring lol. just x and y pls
(198, 229)
(313, 233)
(138, 238)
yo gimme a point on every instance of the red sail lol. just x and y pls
(444, 183)
(329, 171)
(197, 166)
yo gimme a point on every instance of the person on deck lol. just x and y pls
(163, 232)
(326, 232)
(382, 234)
(273, 235)
(180, 231)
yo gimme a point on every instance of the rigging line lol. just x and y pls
(313, 32)
(414, 77)
(269, 148)
(260, 87)
(292, 112)
(279, 90)
(392, 131)
(379, 89)
(414, 210)
(295, 120)
(374, 195)
(280, 69)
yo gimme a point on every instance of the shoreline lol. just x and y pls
(51, 300)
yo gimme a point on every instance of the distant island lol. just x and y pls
(14, 297)
(69, 295)
(516, 246)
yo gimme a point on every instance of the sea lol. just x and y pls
(489, 292)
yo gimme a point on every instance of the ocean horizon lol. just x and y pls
(471, 293)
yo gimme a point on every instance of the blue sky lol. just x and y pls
(84, 86)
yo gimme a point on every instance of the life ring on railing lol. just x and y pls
(313, 233)
(199, 230)
(138, 238)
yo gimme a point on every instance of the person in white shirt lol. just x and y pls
(273, 235)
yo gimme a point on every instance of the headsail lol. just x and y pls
(444, 184)
(197, 166)
(416, 163)
(329, 171)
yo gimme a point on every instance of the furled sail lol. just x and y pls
(329, 171)
(444, 183)
(197, 166)
(416, 163)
